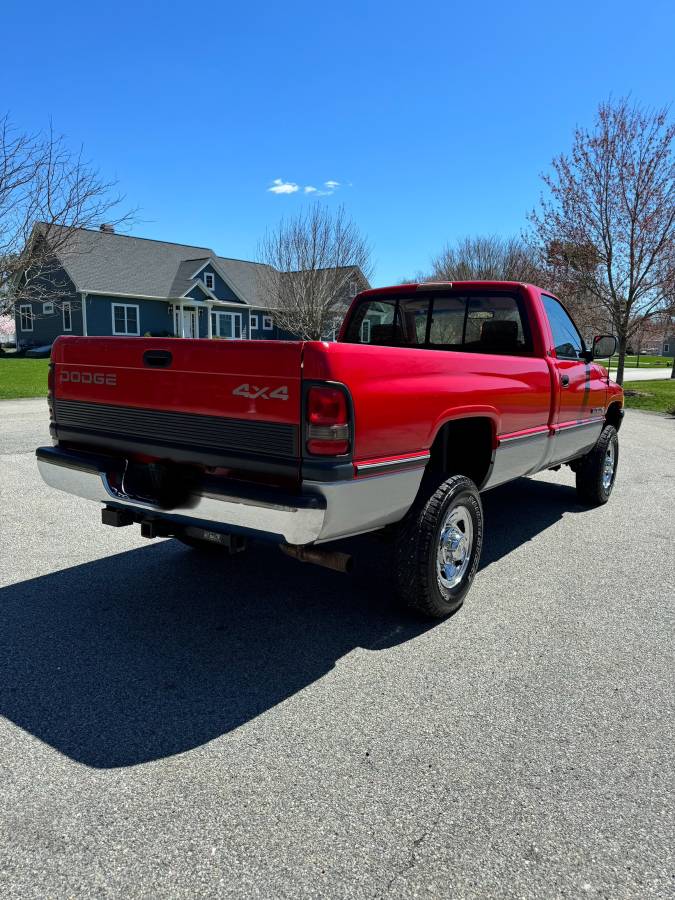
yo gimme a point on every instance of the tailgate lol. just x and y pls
(219, 403)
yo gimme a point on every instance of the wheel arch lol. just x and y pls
(614, 414)
(464, 445)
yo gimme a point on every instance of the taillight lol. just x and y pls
(50, 390)
(327, 420)
(51, 378)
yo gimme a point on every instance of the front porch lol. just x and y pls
(208, 319)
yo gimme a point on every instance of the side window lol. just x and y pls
(566, 339)
(26, 317)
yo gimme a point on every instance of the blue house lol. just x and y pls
(113, 284)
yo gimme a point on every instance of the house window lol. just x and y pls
(26, 317)
(67, 317)
(47, 309)
(353, 288)
(267, 323)
(226, 325)
(666, 348)
(365, 332)
(209, 280)
(125, 318)
(253, 322)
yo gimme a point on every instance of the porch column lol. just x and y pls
(209, 333)
(182, 321)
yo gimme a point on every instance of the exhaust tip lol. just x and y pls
(329, 559)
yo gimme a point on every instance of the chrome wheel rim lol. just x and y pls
(608, 466)
(455, 542)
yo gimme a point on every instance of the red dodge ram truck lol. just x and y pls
(432, 394)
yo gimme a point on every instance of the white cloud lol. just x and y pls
(279, 186)
(283, 187)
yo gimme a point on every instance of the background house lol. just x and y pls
(114, 284)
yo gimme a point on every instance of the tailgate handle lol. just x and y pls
(157, 359)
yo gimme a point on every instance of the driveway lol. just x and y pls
(644, 374)
(181, 726)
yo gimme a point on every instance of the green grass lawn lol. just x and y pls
(22, 377)
(658, 396)
(646, 362)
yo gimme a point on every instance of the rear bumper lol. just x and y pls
(320, 512)
(296, 520)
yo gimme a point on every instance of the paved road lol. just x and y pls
(183, 727)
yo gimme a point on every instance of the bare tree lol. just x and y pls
(46, 190)
(608, 218)
(488, 258)
(308, 263)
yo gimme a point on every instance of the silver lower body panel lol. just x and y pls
(530, 453)
(365, 504)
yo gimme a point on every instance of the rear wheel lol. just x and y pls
(438, 547)
(596, 472)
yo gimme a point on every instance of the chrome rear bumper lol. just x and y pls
(322, 511)
(295, 520)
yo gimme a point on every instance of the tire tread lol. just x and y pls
(415, 542)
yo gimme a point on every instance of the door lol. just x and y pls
(581, 390)
(185, 322)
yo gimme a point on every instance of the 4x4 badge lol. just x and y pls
(253, 392)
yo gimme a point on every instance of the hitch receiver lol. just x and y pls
(118, 518)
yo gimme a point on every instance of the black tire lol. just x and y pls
(417, 567)
(592, 485)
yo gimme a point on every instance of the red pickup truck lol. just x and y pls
(433, 393)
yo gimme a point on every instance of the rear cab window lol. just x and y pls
(472, 322)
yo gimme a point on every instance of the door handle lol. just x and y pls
(565, 380)
(157, 359)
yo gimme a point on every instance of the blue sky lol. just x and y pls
(436, 119)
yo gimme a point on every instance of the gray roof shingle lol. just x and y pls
(184, 276)
(247, 279)
(104, 262)
(98, 261)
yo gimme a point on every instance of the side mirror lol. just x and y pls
(604, 345)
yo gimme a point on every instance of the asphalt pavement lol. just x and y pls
(178, 725)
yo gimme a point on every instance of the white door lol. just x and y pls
(187, 324)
